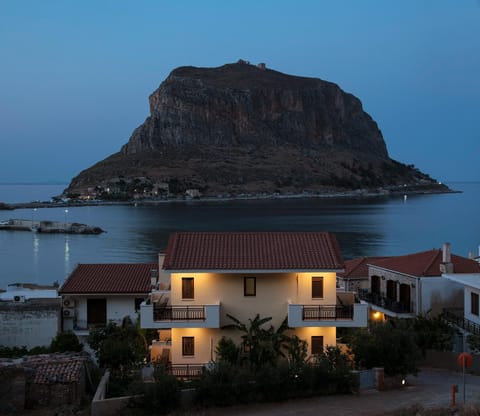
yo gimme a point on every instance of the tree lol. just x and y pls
(66, 341)
(118, 347)
(390, 345)
(261, 345)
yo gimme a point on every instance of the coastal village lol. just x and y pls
(211, 291)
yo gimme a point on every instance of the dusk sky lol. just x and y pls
(76, 76)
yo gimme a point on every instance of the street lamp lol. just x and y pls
(33, 212)
(66, 212)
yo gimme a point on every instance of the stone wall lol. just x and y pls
(31, 323)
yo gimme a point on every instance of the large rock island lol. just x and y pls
(243, 129)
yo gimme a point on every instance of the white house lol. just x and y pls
(95, 294)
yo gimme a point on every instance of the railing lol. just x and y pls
(327, 312)
(386, 303)
(185, 370)
(453, 315)
(179, 313)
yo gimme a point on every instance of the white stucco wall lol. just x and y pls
(438, 293)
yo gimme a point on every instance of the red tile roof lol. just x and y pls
(109, 278)
(358, 268)
(426, 263)
(253, 251)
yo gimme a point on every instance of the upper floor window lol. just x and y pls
(317, 287)
(188, 346)
(187, 288)
(249, 286)
(317, 345)
(474, 303)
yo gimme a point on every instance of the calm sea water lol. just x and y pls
(364, 227)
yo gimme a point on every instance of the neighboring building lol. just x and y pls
(355, 276)
(467, 318)
(29, 315)
(412, 285)
(95, 294)
(274, 274)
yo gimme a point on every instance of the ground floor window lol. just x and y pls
(317, 345)
(188, 346)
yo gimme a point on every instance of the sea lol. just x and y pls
(373, 226)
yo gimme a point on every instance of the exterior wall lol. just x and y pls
(400, 279)
(468, 304)
(273, 293)
(31, 323)
(118, 307)
(353, 285)
(438, 293)
(206, 341)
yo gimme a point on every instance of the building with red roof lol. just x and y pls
(95, 294)
(273, 274)
(413, 284)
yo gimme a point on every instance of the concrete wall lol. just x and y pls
(438, 293)
(31, 323)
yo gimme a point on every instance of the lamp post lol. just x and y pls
(66, 212)
(33, 214)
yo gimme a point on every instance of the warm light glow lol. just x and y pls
(403, 382)
(376, 315)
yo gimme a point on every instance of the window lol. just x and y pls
(317, 345)
(249, 286)
(187, 288)
(474, 303)
(317, 287)
(188, 346)
(138, 301)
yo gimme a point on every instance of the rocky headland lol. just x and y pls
(243, 130)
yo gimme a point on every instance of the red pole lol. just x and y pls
(453, 394)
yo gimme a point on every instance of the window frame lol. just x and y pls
(249, 278)
(318, 279)
(474, 303)
(188, 346)
(314, 342)
(186, 292)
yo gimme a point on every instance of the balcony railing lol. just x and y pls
(326, 312)
(455, 316)
(179, 313)
(186, 371)
(386, 303)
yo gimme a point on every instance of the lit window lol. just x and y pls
(249, 286)
(317, 287)
(188, 346)
(474, 303)
(317, 345)
(187, 288)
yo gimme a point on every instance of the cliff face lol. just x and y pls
(241, 104)
(240, 128)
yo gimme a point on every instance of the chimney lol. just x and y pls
(153, 277)
(446, 266)
(262, 66)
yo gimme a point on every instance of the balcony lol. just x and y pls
(343, 314)
(386, 305)
(163, 316)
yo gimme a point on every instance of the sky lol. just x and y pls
(75, 76)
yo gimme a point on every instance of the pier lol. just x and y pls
(49, 227)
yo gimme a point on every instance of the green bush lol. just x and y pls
(66, 341)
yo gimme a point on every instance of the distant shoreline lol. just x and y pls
(356, 194)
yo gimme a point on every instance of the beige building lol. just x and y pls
(208, 276)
